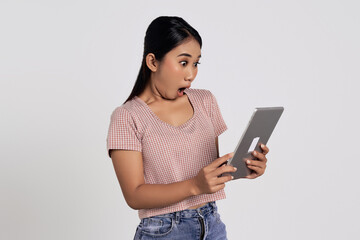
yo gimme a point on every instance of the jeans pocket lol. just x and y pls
(157, 226)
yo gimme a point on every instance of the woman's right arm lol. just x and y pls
(129, 170)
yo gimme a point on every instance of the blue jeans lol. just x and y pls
(189, 224)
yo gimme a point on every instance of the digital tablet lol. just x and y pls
(257, 132)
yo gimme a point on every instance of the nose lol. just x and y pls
(191, 74)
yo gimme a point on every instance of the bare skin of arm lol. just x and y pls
(128, 166)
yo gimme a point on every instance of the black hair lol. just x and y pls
(163, 34)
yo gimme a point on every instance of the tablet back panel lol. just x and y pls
(258, 131)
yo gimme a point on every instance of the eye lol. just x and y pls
(183, 63)
(196, 64)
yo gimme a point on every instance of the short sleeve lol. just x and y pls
(122, 132)
(216, 117)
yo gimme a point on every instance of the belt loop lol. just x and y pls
(214, 208)
(177, 217)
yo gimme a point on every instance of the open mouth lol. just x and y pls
(181, 91)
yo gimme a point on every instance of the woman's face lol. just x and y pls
(177, 70)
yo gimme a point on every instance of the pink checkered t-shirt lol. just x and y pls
(170, 154)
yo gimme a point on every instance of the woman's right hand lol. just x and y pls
(208, 180)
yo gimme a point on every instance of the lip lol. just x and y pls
(182, 89)
(185, 87)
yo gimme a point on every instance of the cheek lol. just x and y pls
(171, 69)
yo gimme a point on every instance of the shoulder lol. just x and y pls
(128, 112)
(203, 99)
(121, 111)
(129, 108)
(201, 95)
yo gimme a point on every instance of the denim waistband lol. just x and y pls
(190, 213)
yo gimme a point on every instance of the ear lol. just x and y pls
(151, 62)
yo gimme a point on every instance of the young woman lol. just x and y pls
(163, 141)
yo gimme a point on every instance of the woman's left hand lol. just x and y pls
(257, 166)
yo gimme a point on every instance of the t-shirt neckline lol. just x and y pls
(166, 123)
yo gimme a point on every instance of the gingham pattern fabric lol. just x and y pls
(170, 154)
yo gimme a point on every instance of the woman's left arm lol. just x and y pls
(258, 166)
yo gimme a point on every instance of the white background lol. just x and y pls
(65, 66)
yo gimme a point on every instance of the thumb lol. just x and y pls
(221, 160)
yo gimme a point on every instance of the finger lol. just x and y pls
(221, 160)
(223, 169)
(218, 187)
(256, 163)
(256, 168)
(252, 176)
(223, 179)
(261, 157)
(258, 171)
(265, 149)
(253, 172)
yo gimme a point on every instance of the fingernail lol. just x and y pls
(248, 161)
(262, 145)
(255, 153)
(232, 177)
(235, 168)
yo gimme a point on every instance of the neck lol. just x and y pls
(151, 95)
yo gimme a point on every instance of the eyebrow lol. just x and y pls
(187, 55)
